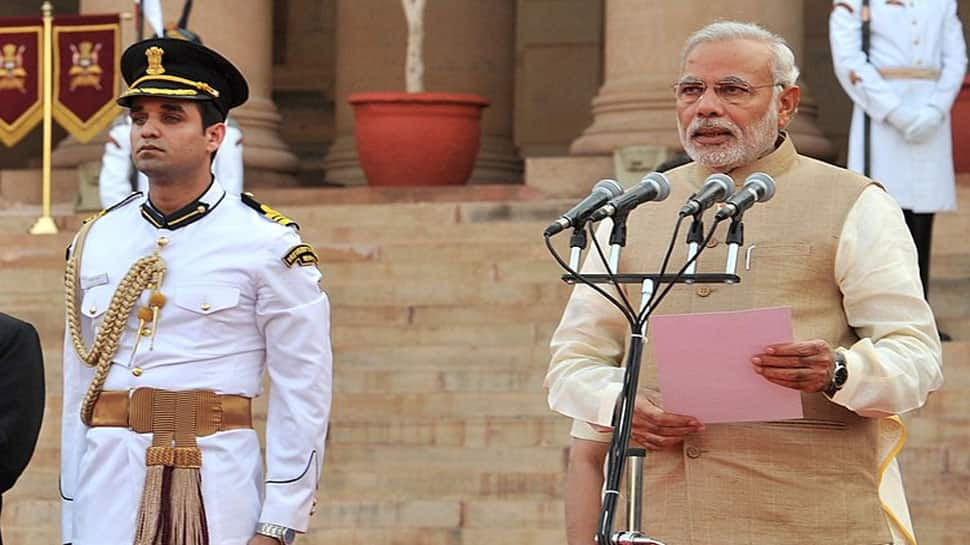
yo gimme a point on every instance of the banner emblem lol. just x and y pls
(85, 72)
(12, 73)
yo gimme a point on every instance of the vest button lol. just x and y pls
(703, 291)
(693, 452)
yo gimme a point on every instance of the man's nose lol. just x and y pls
(148, 128)
(709, 104)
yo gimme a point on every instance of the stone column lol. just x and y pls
(468, 48)
(243, 32)
(245, 37)
(644, 38)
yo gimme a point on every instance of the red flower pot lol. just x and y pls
(411, 139)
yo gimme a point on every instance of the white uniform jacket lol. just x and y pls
(234, 310)
(922, 34)
(114, 181)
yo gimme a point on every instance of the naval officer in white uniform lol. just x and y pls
(178, 301)
(917, 61)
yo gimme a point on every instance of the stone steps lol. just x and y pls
(442, 314)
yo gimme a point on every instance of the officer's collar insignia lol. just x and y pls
(154, 55)
(268, 212)
(302, 255)
(187, 215)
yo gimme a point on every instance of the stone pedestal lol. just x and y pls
(635, 105)
(244, 37)
(468, 48)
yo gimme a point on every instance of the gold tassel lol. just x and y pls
(187, 510)
(148, 526)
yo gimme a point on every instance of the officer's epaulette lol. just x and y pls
(268, 212)
(134, 195)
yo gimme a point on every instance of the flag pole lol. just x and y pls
(45, 223)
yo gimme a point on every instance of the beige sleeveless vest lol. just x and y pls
(795, 482)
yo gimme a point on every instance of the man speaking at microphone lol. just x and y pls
(833, 246)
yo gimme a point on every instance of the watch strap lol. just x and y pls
(276, 531)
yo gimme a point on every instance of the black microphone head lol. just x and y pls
(660, 182)
(765, 184)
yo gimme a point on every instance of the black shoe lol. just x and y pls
(944, 336)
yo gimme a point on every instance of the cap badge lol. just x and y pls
(154, 55)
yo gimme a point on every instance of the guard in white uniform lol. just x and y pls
(173, 318)
(114, 181)
(917, 60)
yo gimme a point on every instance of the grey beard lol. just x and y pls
(752, 144)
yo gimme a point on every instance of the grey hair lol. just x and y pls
(783, 66)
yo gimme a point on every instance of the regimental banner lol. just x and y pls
(86, 75)
(21, 95)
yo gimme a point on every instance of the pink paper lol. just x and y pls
(704, 361)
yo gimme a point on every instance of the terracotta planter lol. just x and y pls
(411, 139)
(960, 125)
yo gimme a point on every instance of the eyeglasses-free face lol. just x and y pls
(730, 90)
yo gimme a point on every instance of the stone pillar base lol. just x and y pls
(497, 162)
(341, 165)
(626, 117)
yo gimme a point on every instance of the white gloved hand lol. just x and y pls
(927, 120)
(902, 118)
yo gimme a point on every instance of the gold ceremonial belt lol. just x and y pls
(909, 72)
(152, 410)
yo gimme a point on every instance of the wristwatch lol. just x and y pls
(284, 535)
(840, 374)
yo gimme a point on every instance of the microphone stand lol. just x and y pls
(617, 240)
(695, 236)
(623, 414)
(735, 239)
(577, 243)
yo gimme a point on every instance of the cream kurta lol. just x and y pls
(892, 368)
(923, 34)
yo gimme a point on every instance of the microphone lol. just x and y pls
(652, 187)
(603, 191)
(758, 187)
(717, 188)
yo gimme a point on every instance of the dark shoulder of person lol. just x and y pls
(21, 396)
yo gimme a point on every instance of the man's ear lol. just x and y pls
(788, 105)
(214, 135)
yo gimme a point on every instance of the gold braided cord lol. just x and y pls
(146, 273)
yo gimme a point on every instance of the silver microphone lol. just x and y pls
(717, 188)
(758, 187)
